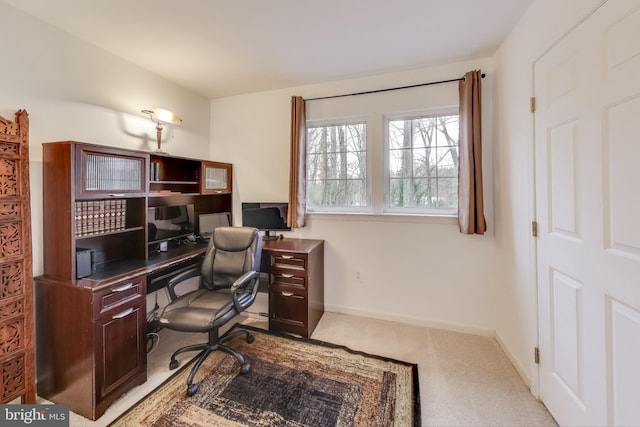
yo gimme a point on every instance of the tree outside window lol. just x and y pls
(423, 164)
(336, 167)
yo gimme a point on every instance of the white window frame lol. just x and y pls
(409, 115)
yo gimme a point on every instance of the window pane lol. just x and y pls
(412, 193)
(423, 163)
(396, 193)
(336, 193)
(395, 162)
(336, 169)
(396, 133)
(448, 192)
(447, 164)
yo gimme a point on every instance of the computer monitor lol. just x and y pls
(209, 222)
(266, 216)
(169, 222)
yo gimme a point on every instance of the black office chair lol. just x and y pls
(229, 276)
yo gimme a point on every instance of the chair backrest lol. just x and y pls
(232, 252)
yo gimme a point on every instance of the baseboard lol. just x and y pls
(466, 329)
(516, 364)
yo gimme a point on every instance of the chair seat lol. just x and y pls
(194, 312)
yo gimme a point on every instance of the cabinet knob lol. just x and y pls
(286, 276)
(287, 294)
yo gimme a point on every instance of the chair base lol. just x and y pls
(206, 349)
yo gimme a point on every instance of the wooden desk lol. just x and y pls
(91, 332)
(296, 284)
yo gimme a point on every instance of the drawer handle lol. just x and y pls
(123, 287)
(287, 256)
(286, 276)
(287, 294)
(122, 314)
(116, 194)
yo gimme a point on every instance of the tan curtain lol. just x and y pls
(470, 200)
(296, 217)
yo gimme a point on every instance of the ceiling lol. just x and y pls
(221, 48)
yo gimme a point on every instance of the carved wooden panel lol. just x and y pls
(11, 279)
(16, 277)
(9, 185)
(13, 378)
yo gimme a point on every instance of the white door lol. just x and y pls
(587, 145)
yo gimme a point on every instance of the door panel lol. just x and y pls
(562, 202)
(587, 145)
(622, 176)
(566, 327)
(624, 369)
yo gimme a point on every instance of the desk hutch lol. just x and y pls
(91, 332)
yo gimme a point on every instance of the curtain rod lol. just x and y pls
(389, 89)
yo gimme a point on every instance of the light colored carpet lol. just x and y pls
(465, 380)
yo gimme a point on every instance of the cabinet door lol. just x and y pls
(121, 354)
(104, 172)
(216, 177)
(120, 328)
(288, 311)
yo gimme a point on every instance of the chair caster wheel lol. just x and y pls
(245, 368)
(250, 338)
(173, 364)
(192, 389)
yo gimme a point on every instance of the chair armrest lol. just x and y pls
(179, 278)
(241, 283)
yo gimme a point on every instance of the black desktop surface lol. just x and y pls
(174, 258)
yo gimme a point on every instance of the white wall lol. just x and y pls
(75, 91)
(412, 269)
(516, 308)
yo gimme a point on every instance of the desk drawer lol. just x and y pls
(289, 260)
(121, 293)
(288, 312)
(287, 278)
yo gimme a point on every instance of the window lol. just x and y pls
(337, 167)
(422, 164)
(384, 163)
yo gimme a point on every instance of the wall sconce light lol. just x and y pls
(160, 116)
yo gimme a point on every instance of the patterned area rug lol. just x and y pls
(293, 382)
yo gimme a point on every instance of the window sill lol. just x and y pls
(385, 217)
